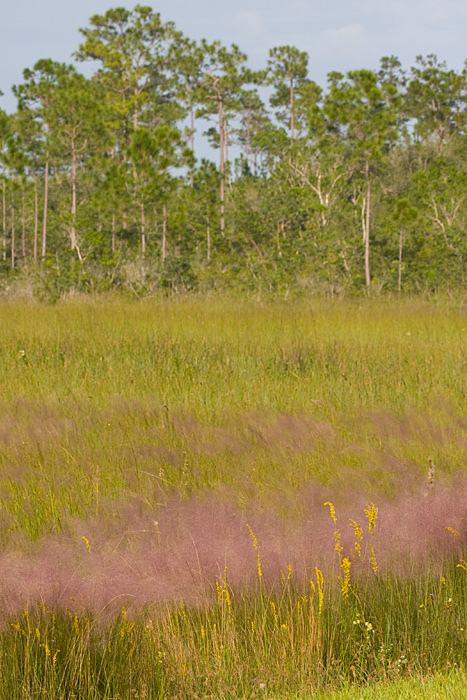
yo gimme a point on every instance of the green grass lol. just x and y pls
(110, 409)
(440, 687)
(92, 389)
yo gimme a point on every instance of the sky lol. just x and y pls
(338, 34)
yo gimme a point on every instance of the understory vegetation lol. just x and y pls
(215, 498)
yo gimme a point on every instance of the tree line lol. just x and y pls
(361, 185)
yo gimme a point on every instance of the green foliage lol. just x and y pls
(108, 168)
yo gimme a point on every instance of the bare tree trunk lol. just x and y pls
(113, 232)
(367, 225)
(164, 233)
(73, 196)
(36, 221)
(221, 163)
(226, 143)
(12, 231)
(208, 240)
(23, 225)
(143, 231)
(113, 213)
(4, 204)
(399, 277)
(292, 116)
(192, 142)
(135, 113)
(46, 204)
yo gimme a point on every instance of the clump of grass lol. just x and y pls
(287, 637)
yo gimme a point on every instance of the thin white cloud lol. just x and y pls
(345, 38)
(249, 21)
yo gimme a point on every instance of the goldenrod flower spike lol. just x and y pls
(345, 579)
(454, 532)
(337, 535)
(371, 512)
(332, 509)
(358, 530)
(320, 582)
(338, 547)
(274, 612)
(256, 548)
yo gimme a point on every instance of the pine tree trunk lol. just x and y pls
(226, 143)
(46, 205)
(113, 232)
(73, 196)
(36, 221)
(399, 277)
(164, 233)
(292, 116)
(4, 204)
(221, 164)
(23, 225)
(192, 143)
(143, 231)
(208, 240)
(12, 231)
(367, 225)
(135, 113)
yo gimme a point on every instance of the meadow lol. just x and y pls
(216, 498)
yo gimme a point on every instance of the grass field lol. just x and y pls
(164, 473)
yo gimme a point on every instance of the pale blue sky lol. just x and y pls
(338, 35)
